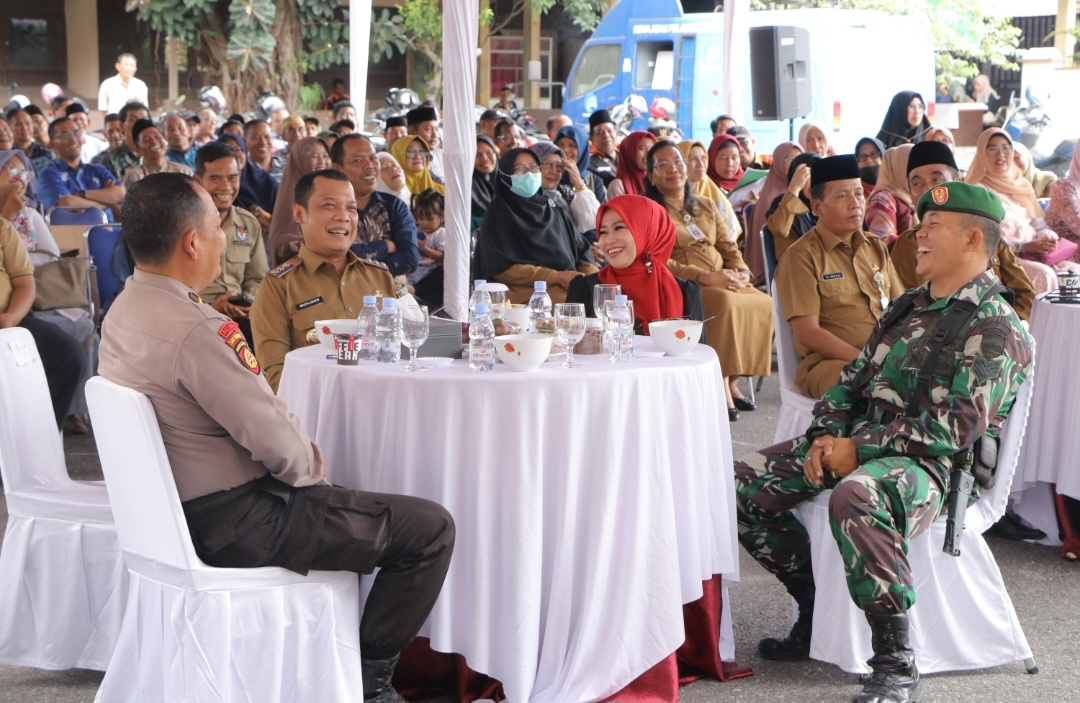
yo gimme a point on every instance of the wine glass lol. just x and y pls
(602, 293)
(414, 332)
(570, 329)
(620, 331)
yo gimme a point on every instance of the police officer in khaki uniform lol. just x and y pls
(324, 281)
(835, 282)
(931, 164)
(252, 483)
(243, 263)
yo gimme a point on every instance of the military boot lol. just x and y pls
(377, 687)
(895, 678)
(796, 646)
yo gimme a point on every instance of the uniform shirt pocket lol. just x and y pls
(238, 252)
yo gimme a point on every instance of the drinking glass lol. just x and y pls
(621, 333)
(498, 304)
(414, 332)
(569, 329)
(602, 293)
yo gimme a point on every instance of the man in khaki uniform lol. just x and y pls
(324, 281)
(243, 262)
(252, 483)
(835, 282)
(931, 164)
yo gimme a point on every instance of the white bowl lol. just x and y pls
(326, 329)
(675, 337)
(523, 352)
(516, 313)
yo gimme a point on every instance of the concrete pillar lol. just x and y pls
(359, 41)
(483, 65)
(530, 95)
(1064, 41)
(172, 61)
(81, 20)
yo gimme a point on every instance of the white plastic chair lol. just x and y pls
(62, 581)
(796, 410)
(963, 617)
(197, 633)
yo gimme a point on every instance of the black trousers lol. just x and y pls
(267, 523)
(63, 359)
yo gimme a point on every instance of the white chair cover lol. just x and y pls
(196, 633)
(62, 581)
(963, 617)
(796, 410)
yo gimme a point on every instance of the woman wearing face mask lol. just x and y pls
(889, 212)
(575, 199)
(525, 237)
(868, 154)
(630, 166)
(789, 216)
(906, 121)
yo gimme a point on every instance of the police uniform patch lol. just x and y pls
(940, 195)
(284, 267)
(234, 338)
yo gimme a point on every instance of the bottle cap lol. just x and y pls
(478, 282)
(620, 298)
(388, 303)
(482, 308)
(540, 285)
(369, 300)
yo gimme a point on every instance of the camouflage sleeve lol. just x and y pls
(845, 402)
(987, 375)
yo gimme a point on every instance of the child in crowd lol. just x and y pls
(427, 280)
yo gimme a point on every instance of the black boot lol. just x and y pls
(895, 678)
(377, 674)
(796, 646)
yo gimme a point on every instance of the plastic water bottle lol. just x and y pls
(481, 340)
(365, 321)
(539, 306)
(388, 333)
(621, 327)
(478, 296)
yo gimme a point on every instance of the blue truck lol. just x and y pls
(858, 60)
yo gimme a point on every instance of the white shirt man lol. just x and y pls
(122, 88)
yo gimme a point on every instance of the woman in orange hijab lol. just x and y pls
(637, 237)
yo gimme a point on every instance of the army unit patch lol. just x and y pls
(234, 338)
(940, 195)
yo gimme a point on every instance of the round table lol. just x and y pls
(590, 503)
(1050, 453)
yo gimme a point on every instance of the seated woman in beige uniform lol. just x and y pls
(526, 237)
(741, 326)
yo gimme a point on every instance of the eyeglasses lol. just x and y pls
(867, 158)
(669, 165)
(63, 136)
(552, 166)
(916, 107)
(413, 153)
(522, 170)
(1004, 149)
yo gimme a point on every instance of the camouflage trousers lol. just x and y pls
(873, 513)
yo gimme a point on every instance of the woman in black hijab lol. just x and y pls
(905, 122)
(483, 178)
(526, 237)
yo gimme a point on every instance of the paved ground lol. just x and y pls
(1044, 590)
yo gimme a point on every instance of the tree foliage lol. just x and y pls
(245, 46)
(418, 26)
(966, 32)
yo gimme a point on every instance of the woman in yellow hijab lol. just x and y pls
(414, 155)
(697, 161)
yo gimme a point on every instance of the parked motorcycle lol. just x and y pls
(398, 102)
(1050, 146)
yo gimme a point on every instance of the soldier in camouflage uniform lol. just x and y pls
(884, 443)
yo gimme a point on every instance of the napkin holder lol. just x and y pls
(444, 339)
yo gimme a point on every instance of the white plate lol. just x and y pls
(435, 360)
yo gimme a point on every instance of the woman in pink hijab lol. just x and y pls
(1063, 215)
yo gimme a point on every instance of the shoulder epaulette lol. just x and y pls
(284, 267)
(376, 264)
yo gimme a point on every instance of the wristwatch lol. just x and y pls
(82, 194)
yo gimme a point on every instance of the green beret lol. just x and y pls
(956, 196)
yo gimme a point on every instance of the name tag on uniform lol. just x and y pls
(832, 276)
(309, 303)
(695, 232)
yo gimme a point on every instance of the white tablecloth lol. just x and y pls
(590, 503)
(1051, 450)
